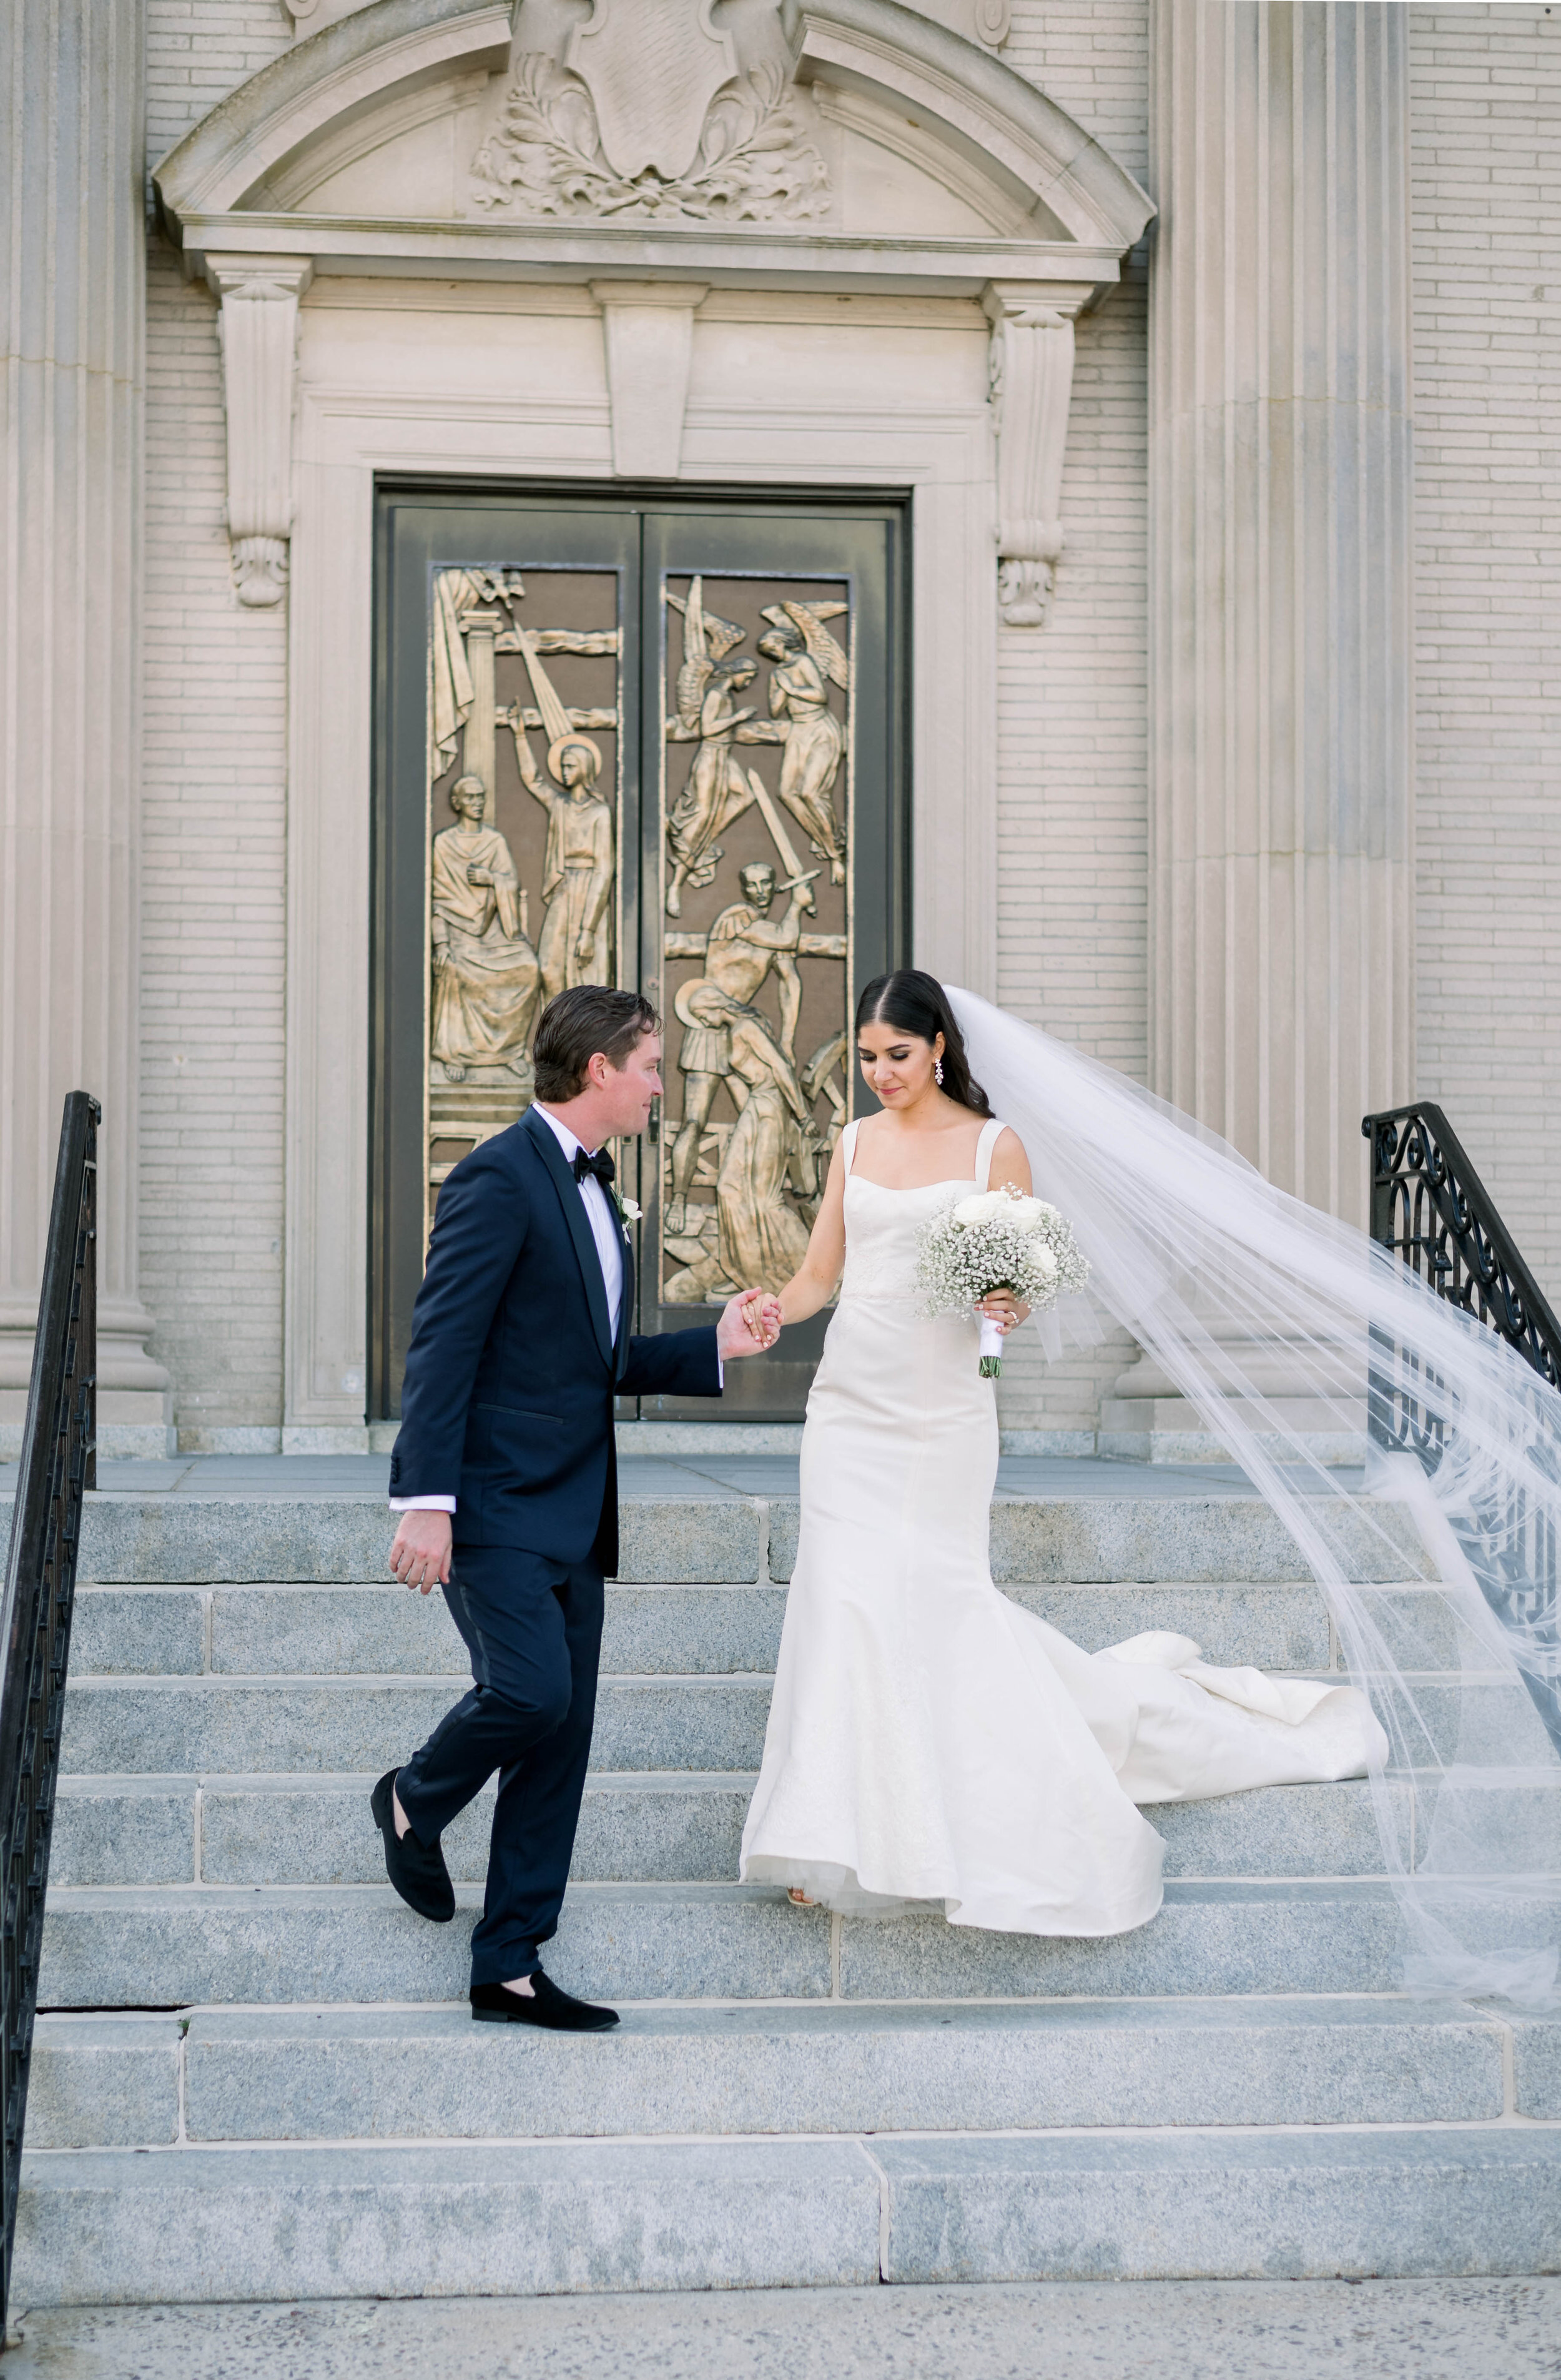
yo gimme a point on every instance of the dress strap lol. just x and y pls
(991, 1133)
(848, 1142)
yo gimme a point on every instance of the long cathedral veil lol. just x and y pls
(1439, 1572)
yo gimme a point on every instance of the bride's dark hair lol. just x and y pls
(913, 1002)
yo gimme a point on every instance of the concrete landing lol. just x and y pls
(308, 1476)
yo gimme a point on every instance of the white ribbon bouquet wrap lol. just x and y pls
(997, 1239)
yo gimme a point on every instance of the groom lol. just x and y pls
(506, 1477)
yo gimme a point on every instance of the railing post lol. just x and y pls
(58, 1464)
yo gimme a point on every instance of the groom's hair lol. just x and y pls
(579, 1023)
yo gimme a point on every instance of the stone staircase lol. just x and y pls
(259, 2080)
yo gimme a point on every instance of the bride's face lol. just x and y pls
(898, 1066)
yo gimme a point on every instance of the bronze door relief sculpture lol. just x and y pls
(743, 1163)
(623, 743)
(502, 644)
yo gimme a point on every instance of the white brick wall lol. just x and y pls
(1091, 57)
(1485, 193)
(212, 875)
(196, 50)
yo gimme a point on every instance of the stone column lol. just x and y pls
(70, 587)
(1281, 974)
(478, 754)
(1280, 807)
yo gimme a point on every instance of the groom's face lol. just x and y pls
(629, 1089)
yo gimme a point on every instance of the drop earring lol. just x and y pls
(938, 1072)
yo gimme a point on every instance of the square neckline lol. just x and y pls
(991, 1131)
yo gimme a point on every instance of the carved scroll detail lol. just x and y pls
(1031, 368)
(258, 331)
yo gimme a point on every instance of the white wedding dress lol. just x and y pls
(928, 1740)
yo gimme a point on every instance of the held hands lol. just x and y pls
(749, 1323)
(420, 1555)
(1000, 1306)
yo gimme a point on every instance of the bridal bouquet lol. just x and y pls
(997, 1239)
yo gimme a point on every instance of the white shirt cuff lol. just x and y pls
(721, 1375)
(422, 1503)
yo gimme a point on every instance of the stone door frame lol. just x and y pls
(351, 430)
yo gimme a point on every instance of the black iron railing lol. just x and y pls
(1429, 1206)
(59, 1463)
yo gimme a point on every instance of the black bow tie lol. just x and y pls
(600, 1165)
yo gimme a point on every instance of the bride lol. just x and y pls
(928, 1740)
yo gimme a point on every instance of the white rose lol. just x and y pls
(633, 1211)
(1044, 1263)
(1026, 1212)
(981, 1208)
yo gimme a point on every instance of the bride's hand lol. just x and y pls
(749, 1323)
(762, 1312)
(1001, 1306)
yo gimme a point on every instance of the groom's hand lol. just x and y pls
(749, 1323)
(420, 1555)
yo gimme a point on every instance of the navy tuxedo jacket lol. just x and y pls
(507, 1401)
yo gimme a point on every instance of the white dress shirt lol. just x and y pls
(608, 1233)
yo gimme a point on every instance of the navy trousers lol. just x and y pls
(533, 1629)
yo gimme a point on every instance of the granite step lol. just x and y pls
(119, 2225)
(313, 1725)
(713, 1535)
(173, 1946)
(303, 1631)
(635, 1827)
(377, 2074)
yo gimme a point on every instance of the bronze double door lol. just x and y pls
(619, 742)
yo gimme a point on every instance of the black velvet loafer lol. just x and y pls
(416, 1870)
(545, 2005)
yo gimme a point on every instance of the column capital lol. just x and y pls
(230, 275)
(1026, 302)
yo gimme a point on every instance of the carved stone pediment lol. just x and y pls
(911, 150)
(646, 154)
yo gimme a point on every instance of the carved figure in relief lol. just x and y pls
(718, 791)
(487, 980)
(763, 1236)
(743, 949)
(773, 1142)
(806, 655)
(574, 945)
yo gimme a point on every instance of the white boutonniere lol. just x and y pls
(629, 1210)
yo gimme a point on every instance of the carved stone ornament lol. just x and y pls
(1030, 367)
(259, 331)
(652, 67)
(751, 158)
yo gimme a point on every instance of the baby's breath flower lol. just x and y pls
(997, 1239)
